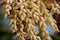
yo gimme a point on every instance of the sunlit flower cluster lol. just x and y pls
(25, 14)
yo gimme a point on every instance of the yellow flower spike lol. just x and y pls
(25, 14)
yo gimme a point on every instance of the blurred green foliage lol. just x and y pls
(56, 37)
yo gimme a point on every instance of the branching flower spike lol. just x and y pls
(25, 14)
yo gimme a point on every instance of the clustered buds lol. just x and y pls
(25, 14)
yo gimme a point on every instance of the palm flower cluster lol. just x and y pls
(24, 15)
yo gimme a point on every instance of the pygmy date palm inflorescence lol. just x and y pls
(25, 14)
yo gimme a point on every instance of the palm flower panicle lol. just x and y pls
(25, 14)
